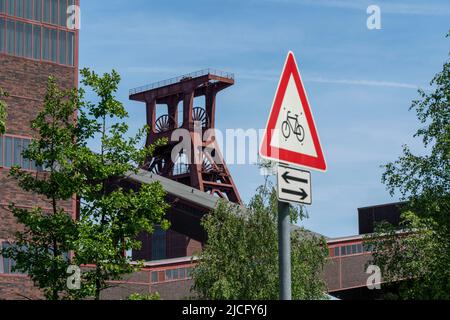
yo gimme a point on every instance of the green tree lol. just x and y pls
(423, 181)
(110, 217)
(3, 114)
(240, 259)
(41, 247)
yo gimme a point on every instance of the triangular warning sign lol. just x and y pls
(291, 134)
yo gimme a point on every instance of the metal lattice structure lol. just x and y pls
(210, 173)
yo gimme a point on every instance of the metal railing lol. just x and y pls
(191, 75)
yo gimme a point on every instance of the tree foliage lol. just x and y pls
(110, 217)
(240, 259)
(41, 248)
(423, 181)
(3, 114)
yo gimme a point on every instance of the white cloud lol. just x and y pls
(423, 8)
(271, 76)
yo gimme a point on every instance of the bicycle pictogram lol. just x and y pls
(287, 127)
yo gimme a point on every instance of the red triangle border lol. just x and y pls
(280, 154)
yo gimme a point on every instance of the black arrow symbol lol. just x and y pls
(287, 177)
(302, 193)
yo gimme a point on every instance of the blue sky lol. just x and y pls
(360, 82)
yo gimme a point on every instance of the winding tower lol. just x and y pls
(172, 105)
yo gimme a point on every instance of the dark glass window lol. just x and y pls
(169, 275)
(53, 44)
(63, 13)
(354, 249)
(8, 264)
(20, 36)
(28, 9)
(62, 47)
(17, 152)
(10, 37)
(182, 273)
(54, 12)
(1, 151)
(336, 251)
(45, 44)
(188, 272)
(70, 48)
(11, 150)
(37, 10)
(36, 42)
(3, 6)
(158, 244)
(2, 34)
(343, 251)
(154, 276)
(11, 6)
(47, 9)
(19, 8)
(26, 164)
(28, 49)
(359, 248)
(8, 151)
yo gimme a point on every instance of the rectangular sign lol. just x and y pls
(294, 185)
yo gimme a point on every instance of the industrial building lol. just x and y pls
(35, 43)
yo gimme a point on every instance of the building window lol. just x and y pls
(2, 35)
(11, 149)
(359, 248)
(63, 13)
(8, 152)
(54, 12)
(6, 264)
(10, 25)
(28, 9)
(62, 47)
(70, 48)
(19, 8)
(11, 6)
(158, 244)
(19, 38)
(336, 252)
(53, 44)
(154, 276)
(37, 10)
(37, 42)
(28, 41)
(2, 6)
(47, 9)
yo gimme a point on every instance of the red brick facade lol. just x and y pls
(25, 82)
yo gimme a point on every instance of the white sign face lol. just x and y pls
(294, 185)
(291, 135)
(292, 130)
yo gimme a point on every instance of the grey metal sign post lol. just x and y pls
(284, 250)
(291, 137)
(294, 186)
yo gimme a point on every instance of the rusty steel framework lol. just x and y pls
(205, 170)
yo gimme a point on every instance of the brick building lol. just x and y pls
(35, 43)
